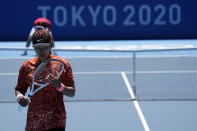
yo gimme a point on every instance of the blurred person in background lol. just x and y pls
(43, 22)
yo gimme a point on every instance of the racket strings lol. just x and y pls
(53, 68)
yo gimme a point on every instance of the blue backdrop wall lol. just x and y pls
(101, 19)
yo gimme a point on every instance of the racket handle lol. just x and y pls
(19, 108)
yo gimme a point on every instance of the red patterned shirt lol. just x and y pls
(46, 110)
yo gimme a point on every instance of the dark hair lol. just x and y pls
(43, 24)
(41, 36)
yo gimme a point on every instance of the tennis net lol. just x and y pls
(160, 74)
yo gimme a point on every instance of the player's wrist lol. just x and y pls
(61, 88)
(18, 96)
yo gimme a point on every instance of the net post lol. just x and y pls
(134, 72)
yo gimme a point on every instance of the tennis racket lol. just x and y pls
(52, 67)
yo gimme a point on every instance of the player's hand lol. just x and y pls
(23, 101)
(54, 81)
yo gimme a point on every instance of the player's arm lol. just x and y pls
(22, 86)
(69, 91)
(66, 90)
(27, 45)
(22, 100)
(66, 83)
(28, 41)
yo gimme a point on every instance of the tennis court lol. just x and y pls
(107, 82)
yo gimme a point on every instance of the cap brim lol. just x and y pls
(41, 44)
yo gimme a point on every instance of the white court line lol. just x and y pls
(135, 102)
(7, 74)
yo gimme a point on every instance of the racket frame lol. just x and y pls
(32, 92)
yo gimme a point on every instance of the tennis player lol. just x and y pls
(39, 22)
(46, 110)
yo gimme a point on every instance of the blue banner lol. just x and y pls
(101, 19)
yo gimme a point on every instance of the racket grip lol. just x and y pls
(19, 108)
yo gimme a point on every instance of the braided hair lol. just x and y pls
(41, 36)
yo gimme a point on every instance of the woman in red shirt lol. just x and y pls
(46, 110)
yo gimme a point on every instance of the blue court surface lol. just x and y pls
(158, 115)
(115, 116)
